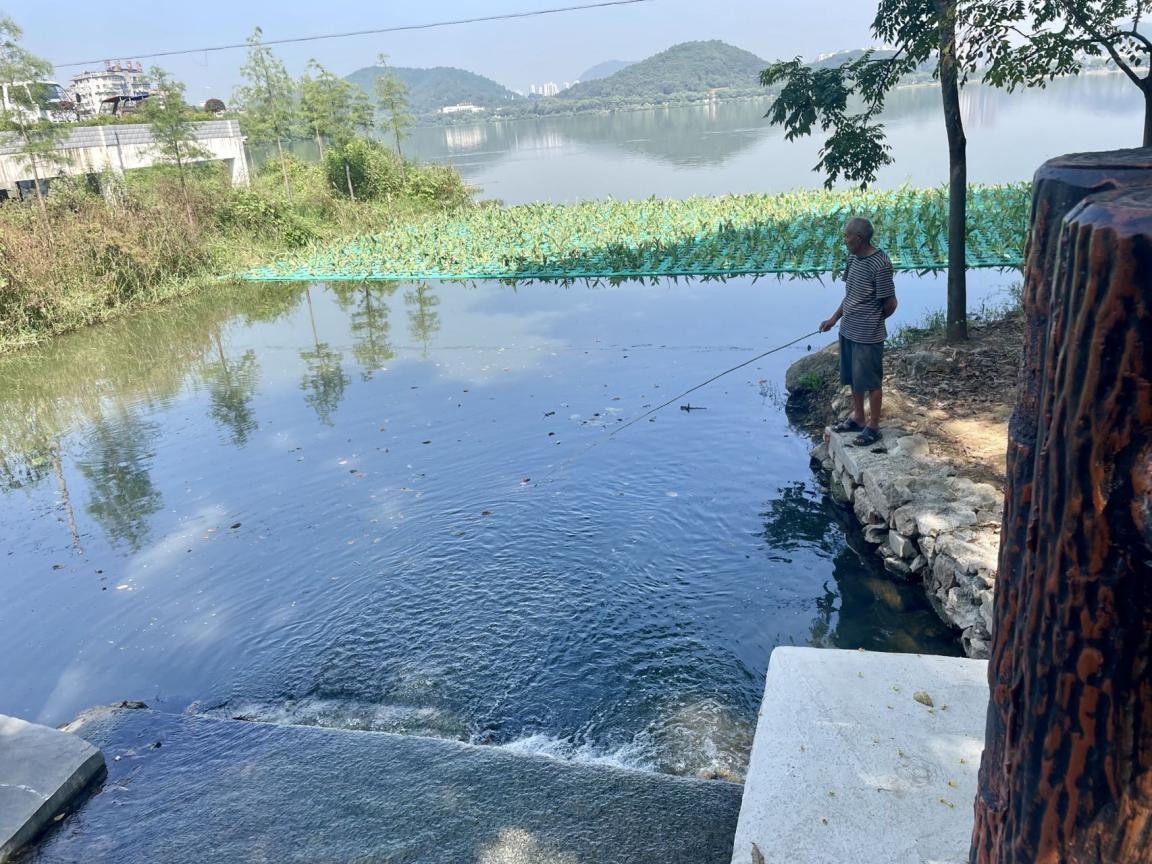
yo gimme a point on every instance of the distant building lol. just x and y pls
(117, 78)
(462, 107)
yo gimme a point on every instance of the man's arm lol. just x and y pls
(829, 323)
(889, 306)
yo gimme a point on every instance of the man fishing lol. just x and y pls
(869, 298)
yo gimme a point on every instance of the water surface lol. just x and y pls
(395, 506)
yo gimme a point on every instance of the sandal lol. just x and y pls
(866, 437)
(848, 424)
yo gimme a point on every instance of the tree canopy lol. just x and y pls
(1029, 42)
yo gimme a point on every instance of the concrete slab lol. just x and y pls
(186, 789)
(863, 757)
(42, 772)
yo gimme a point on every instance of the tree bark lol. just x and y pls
(1066, 774)
(957, 316)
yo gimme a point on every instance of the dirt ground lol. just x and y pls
(959, 396)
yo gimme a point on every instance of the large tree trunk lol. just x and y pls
(957, 174)
(1066, 774)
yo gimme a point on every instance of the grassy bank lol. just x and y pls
(106, 248)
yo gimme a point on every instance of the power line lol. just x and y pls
(395, 29)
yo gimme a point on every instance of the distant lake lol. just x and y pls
(730, 148)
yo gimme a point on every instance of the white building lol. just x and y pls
(117, 78)
(463, 107)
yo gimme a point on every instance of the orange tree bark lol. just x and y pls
(1067, 769)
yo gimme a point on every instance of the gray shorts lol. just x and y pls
(861, 364)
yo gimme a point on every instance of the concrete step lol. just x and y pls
(190, 789)
(864, 757)
(43, 772)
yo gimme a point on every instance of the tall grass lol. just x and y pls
(115, 244)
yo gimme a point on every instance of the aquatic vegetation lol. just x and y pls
(797, 232)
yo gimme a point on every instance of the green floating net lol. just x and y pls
(798, 233)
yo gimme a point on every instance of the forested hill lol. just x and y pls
(603, 70)
(690, 67)
(429, 90)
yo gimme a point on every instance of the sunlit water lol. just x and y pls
(396, 507)
(730, 147)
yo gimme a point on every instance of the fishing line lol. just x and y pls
(594, 444)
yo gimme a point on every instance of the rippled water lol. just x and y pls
(379, 506)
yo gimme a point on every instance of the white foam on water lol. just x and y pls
(627, 756)
(335, 714)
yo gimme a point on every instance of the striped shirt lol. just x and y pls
(867, 284)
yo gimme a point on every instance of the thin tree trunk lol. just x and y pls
(1147, 113)
(35, 175)
(957, 174)
(283, 168)
(348, 177)
(319, 143)
(184, 189)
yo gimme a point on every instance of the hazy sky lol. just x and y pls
(515, 53)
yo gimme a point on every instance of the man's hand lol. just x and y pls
(827, 325)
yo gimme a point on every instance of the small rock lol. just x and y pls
(923, 698)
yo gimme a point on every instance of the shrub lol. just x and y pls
(374, 170)
(437, 185)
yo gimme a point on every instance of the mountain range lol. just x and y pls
(687, 68)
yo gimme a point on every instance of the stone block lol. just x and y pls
(919, 564)
(987, 600)
(904, 520)
(847, 766)
(897, 566)
(927, 548)
(844, 480)
(960, 608)
(976, 642)
(864, 508)
(875, 534)
(913, 446)
(980, 497)
(937, 518)
(845, 455)
(902, 546)
(885, 488)
(820, 453)
(42, 773)
(972, 553)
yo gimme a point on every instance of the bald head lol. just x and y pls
(861, 227)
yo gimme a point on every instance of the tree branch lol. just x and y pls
(1075, 13)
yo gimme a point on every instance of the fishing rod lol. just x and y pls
(651, 411)
(710, 380)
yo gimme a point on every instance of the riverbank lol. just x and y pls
(104, 247)
(929, 497)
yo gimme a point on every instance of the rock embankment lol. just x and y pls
(925, 522)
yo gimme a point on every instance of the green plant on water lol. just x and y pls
(797, 232)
